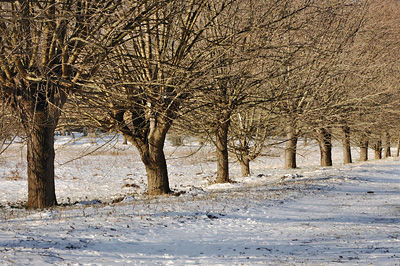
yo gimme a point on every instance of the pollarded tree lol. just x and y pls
(148, 79)
(373, 76)
(296, 80)
(313, 78)
(244, 63)
(249, 129)
(334, 102)
(46, 48)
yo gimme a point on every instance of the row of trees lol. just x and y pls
(234, 71)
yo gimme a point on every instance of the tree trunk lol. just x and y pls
(290, 149)
(398, 148)
(324, 139)
(40, 157)
(222, 151)
(245, 167)
(378, 149)
(39, 109)
(151, 150)
(152, 155)
(387, 146)
(148, 136)
(346, 145)
(364, 148)
(157, 173)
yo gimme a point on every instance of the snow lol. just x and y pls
(340, 215)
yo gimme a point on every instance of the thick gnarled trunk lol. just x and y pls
(39, 107)
(152, 154)
(148, 136)
(346, 145)
(388, 152)
(324, 139)
(378, 149)
(291, 147)
(221, 143)
(40, 157)
(245, 167)
(156, 169)
(364, 148)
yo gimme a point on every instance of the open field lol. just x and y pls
(342, 215)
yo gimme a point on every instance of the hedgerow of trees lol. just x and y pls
(235, 72)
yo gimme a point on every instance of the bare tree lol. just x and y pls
(46, 49)
(148, 79)
(372, 76)
(311, 73)
(249, 129)
(324, 138)
(346, 144)
(240, 77)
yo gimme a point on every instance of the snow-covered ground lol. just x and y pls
(340, 215)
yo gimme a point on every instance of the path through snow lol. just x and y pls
(347, 215)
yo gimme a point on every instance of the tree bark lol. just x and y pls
(387, 146)
(148, 136)
(290, 149)
(152, 156)
(346, 145)
(39, 109)
(245, 167)
(157, 173)
(378, 149)
(398, 148)
(40, 157)
(364, 148)
(324, 139)
(221, 144)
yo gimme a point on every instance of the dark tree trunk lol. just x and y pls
(148, 136)
(39, 109)
(245, 167)
(346, 145)
(151, 149)
(387, 146)
(153, 158)
(324, 139)
(156, 169)
(290, 149)
(40, 157)
(221, 143)
(364, 148)
(378, 149)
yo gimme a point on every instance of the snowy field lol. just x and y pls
(340, 215)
